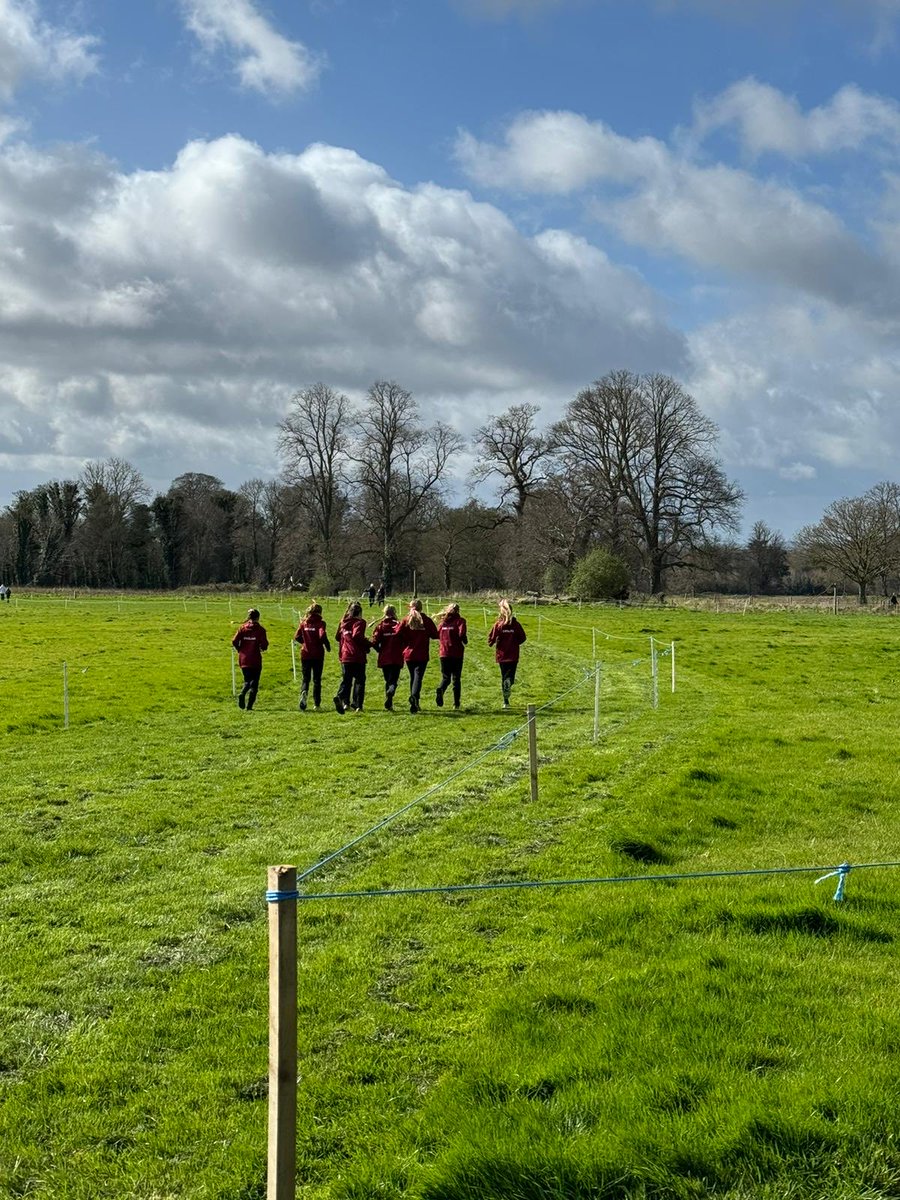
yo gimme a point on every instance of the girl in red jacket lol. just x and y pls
(415, 632)
(452, 641)
(354, 646)
(390, 652)
(313, 643)
(507, 635)
(250, 641)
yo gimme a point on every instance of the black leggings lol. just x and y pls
(251, 684)
(391, 675)
(352, 691)
(451, 671)
(311, 669)
(416, 674)
(507, 675)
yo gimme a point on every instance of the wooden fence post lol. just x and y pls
(282, 1160)
(532, 752)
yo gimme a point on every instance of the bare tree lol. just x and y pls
(313, 441)
(399, 465)
(249, 526)
(646, 449)
(112, 491)
(856, 538)
(462, 540)
(510, 448)
(766, 558)
(885, 500)
(122, 482)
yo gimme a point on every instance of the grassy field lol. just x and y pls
(736, 1038)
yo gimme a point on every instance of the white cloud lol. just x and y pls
(266, 61)
(168, 315)
(716, 217)
(30, 46)
(797, 471)
(557, 152)
(797, 384)
(768, 120)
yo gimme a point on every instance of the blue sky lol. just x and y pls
(206, 204)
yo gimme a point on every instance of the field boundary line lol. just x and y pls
(841, 872)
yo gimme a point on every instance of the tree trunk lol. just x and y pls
(388, 565)
(656, 576)
(863, 594)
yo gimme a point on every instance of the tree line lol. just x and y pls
(362, 495)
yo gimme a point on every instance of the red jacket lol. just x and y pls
(415, 641)
(250, 641)
(312, 638)
(452, 637)
(354, 643)
(507, 639)
(387, 643)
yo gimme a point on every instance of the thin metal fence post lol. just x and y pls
(654, 673)
(672, 651)
(282, 1148)
(233, 675)
(65, 696)
(597, 673)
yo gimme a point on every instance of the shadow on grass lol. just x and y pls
(812, 922)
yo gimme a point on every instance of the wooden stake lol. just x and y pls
(282, 1037)
(532, 752)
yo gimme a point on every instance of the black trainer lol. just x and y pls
(241, 700)
(339, 705)
(439, 698)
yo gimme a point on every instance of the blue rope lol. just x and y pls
(842, 872)
(550, 883)
(278, 897)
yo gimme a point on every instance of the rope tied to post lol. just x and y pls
(840, 873)
(278, 897)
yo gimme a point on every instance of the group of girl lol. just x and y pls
(398, 643)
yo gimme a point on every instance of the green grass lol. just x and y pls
(734, 1038)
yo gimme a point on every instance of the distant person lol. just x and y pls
(250, 641)
(416, 630)
(893, 600)
(313, 643)
(353, 646)
(507, 635)
(390, 653)
(8, 593)
(2, 592)
(379, 595)
(370, 592)
(452, 642)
